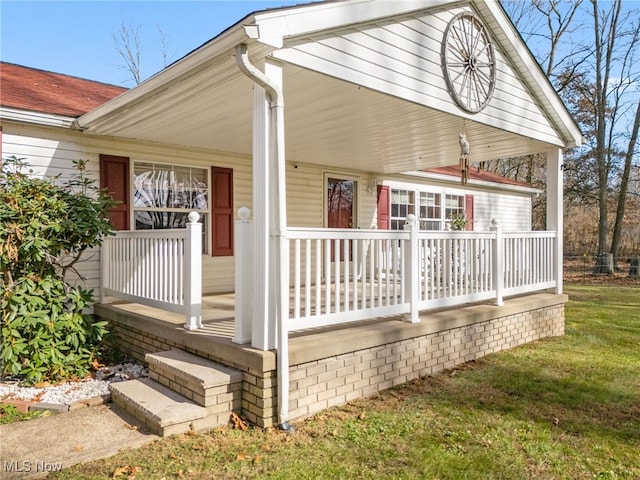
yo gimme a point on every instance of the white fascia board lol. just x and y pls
(226, 41)
(277, 25)
(477, 183)
(38, 118)
(570, 130)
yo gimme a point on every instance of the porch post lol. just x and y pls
(193, 273)
(555, 208)
(411, 269)
(243, 248)
(263, 331)
(105, 272)
(498, 263)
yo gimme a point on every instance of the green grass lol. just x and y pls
(11, 414)
(561, 408)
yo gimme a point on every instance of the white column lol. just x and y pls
(244, 259)
(105, 269)
(555, 209)
(411, 269)
(267, 216)
(193, 273)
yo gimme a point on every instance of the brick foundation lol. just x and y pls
(332, 381)
(334, 367)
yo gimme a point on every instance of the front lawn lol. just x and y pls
(562, 408)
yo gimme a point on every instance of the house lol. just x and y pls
(286, 200)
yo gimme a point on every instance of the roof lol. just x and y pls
(476, 174)
(31, 89)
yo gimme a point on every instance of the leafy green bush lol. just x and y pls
(44, 229)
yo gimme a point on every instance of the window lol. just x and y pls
(163, 196)
(431, 211)
(454, 205)
(402, 204)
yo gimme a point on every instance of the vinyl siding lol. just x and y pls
(402, 57)
(50, 152)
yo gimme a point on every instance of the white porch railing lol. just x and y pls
(158, 268)
(347, 275)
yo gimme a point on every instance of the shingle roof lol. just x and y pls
(476, 174)
(36, 90)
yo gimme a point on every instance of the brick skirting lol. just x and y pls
(334, 367)
(336, 380)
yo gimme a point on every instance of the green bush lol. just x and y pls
(45, 226)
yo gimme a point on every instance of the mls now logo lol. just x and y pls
(27, 466)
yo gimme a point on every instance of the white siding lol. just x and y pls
(402, 57)
(50, 152)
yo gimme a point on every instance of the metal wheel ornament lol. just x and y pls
(469, 62)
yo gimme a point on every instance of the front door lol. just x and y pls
(340, 204)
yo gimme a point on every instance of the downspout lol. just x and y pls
(282, 271)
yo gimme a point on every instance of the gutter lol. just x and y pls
(280, 274)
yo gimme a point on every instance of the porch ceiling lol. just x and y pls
(327, 122)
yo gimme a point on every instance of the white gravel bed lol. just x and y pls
(71, 392)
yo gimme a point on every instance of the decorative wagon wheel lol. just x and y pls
(469, 62)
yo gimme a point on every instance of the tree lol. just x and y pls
(596, 71)
(127, 42)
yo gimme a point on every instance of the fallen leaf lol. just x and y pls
(257, 459)
(42, 384)
(96, 364)
(242, 456)
(38, 397)
(133, 471)
(265, 448)
(78, 448)
(362, 416)
(123, 470)
(237, 422)
(556, 421)
(131, 427)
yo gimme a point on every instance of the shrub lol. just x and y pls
(44, 229)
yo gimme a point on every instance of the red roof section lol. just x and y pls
(476, 174)
(36, 90)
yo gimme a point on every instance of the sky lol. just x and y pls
(76, 37)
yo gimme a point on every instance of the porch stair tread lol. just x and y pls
(164, 411)
(193, 369)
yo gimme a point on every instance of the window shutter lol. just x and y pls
(222, 211)
(384, 204)
(468, 211)
(114, 177)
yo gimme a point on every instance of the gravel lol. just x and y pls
(71, 392)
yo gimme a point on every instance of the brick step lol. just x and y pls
(162, 410)
(204, 382)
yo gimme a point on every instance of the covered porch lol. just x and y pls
(358, 87)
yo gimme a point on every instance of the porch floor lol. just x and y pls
(214, 340)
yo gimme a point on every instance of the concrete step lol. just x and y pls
(205, 382)
(162, 410)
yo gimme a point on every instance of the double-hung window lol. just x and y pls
(164, 195)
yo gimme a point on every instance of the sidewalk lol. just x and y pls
(32, 448)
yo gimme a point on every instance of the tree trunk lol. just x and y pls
(604, 264)
(634, 269)
(624, 184)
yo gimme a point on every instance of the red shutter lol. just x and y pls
(468, 211)
(222, 211)
(114, 176)
(384, 206)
